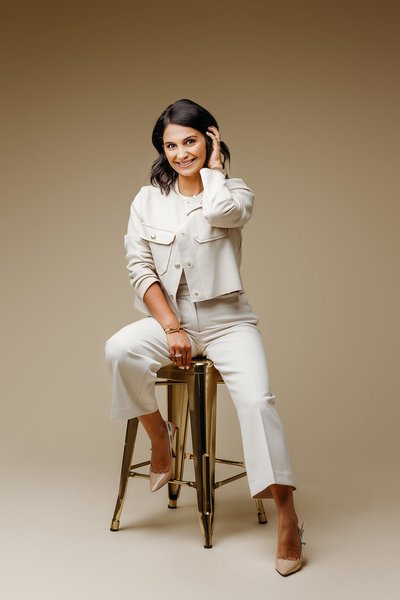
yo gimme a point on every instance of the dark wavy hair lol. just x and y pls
(189, 114)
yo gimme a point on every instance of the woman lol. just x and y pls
(183, 251)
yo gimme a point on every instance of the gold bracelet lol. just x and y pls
(219, 169)
(172, 329)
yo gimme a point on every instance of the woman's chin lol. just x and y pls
(188, 173)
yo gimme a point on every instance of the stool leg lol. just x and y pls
(178, 407)
(202, 389)
(262, 517)
(130, 439)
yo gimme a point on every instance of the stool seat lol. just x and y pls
(191, 392)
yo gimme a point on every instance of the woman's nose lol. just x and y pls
(181, 154)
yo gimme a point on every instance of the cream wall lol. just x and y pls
(306, 96)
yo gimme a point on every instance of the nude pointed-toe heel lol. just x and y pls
(157, 480)
(285, 566)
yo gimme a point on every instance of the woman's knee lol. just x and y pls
(115, 348)
(258, 402)
(129, 344)
(138, 344)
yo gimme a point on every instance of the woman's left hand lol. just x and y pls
(215, 158)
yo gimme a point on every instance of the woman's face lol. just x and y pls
(185, 149)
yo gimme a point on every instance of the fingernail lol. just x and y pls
(181, 367)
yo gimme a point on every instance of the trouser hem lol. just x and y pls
(262, 489)
(130, 414)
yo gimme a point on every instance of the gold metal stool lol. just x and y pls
(191, 390)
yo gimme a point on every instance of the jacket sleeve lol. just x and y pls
(139, 258)
(226, 202)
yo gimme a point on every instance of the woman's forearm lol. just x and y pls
(159, 307)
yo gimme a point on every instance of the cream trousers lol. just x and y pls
(225, 330)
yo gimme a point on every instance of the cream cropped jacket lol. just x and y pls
(199, 234)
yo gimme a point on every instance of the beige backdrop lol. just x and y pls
(306, 96)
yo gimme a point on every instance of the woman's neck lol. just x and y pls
(190, 186)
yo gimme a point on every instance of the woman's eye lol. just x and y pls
(169, 145)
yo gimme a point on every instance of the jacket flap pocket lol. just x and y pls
(159, 236)
(210, 233)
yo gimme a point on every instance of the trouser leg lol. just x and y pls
(239, 355)
(134, 354)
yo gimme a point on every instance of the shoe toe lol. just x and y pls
(285, 566)
(157, 480)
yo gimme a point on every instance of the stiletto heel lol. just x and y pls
(157, 480)
(285, 566)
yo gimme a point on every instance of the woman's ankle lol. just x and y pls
(288, 519)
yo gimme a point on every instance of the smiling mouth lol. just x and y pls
(187, 163)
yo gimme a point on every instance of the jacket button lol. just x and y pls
(177, 265)
(189, 265)
(171, 296)
(153, 235)
(182, 233)
(196, 293)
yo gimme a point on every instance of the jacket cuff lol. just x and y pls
(211, 177)
(144, 284)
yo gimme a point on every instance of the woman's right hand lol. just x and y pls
(179, 343)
